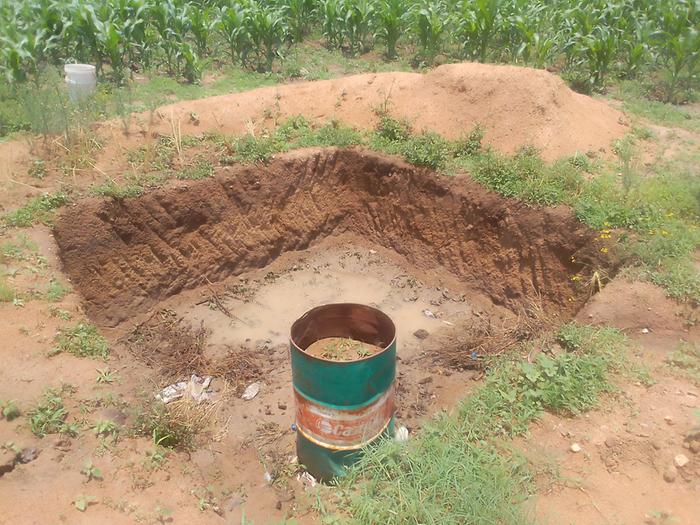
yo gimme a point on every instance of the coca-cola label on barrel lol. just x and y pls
(344, 429)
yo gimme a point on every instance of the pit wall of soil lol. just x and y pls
(126, 255)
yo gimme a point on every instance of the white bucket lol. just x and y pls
(81, 80)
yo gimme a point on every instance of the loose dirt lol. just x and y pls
(629, 443)
(517, 106)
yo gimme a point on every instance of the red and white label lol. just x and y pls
(344, 429)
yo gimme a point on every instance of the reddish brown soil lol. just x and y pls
(517, 106)
(629, 442)
(126, 255)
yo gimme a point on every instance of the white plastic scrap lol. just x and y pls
(429, 314)
(306, 479)
(251, 391)
(195, 388)
(401, 435)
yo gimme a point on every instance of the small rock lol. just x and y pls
(656, 444)
(28, 454)
(282, 406)
(62, 444)
(575, 448)
(8, 459)
(670, 474)
(278, 506)
(251, 391)
(695, 447)
(611, 442)
(429, 314)
(421, 333)
(425, 380)
(681, 460)
(645, 330)
(669, 420)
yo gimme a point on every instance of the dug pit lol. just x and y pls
(126, 255)
(241, 255)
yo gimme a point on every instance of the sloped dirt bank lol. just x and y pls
(124, 256)
(517, 106)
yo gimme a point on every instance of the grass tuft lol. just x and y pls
(172, 426)
(686, 359)
(39, 209)
(49, 416)
(82, 340)
(7, 294)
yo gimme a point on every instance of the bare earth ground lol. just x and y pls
(626, 444)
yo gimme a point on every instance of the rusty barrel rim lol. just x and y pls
(302, 329)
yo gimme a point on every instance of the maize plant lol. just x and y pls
(391, 22)
(430, 23)
(592, 40)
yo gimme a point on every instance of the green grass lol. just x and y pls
(9, 410)
(635, 102)
(201, 169)
(55, 291)
(110, 188)
(49, 415)
(659, 213)
(7, 293)
(309, 61)
(686, 359)
(37, 210)
(43, 107)
(165, 425)
(82, 340)
(457, 469)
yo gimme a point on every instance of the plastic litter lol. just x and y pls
(306, 479)
(401, 435)
(251, 391)
(195, 388)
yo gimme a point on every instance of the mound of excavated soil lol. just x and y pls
(518, 106)
(126, 255)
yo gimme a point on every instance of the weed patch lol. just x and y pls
(199, 170)
(55, 291)
(82, 340)
(686, 359)
(7, 294)
(396, 483)
(172, 426)
(40, 209)
(49, 416)
(9, 410)
(111, 189)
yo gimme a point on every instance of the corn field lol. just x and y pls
(591, 41)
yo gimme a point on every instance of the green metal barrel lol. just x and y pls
(341, 406)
